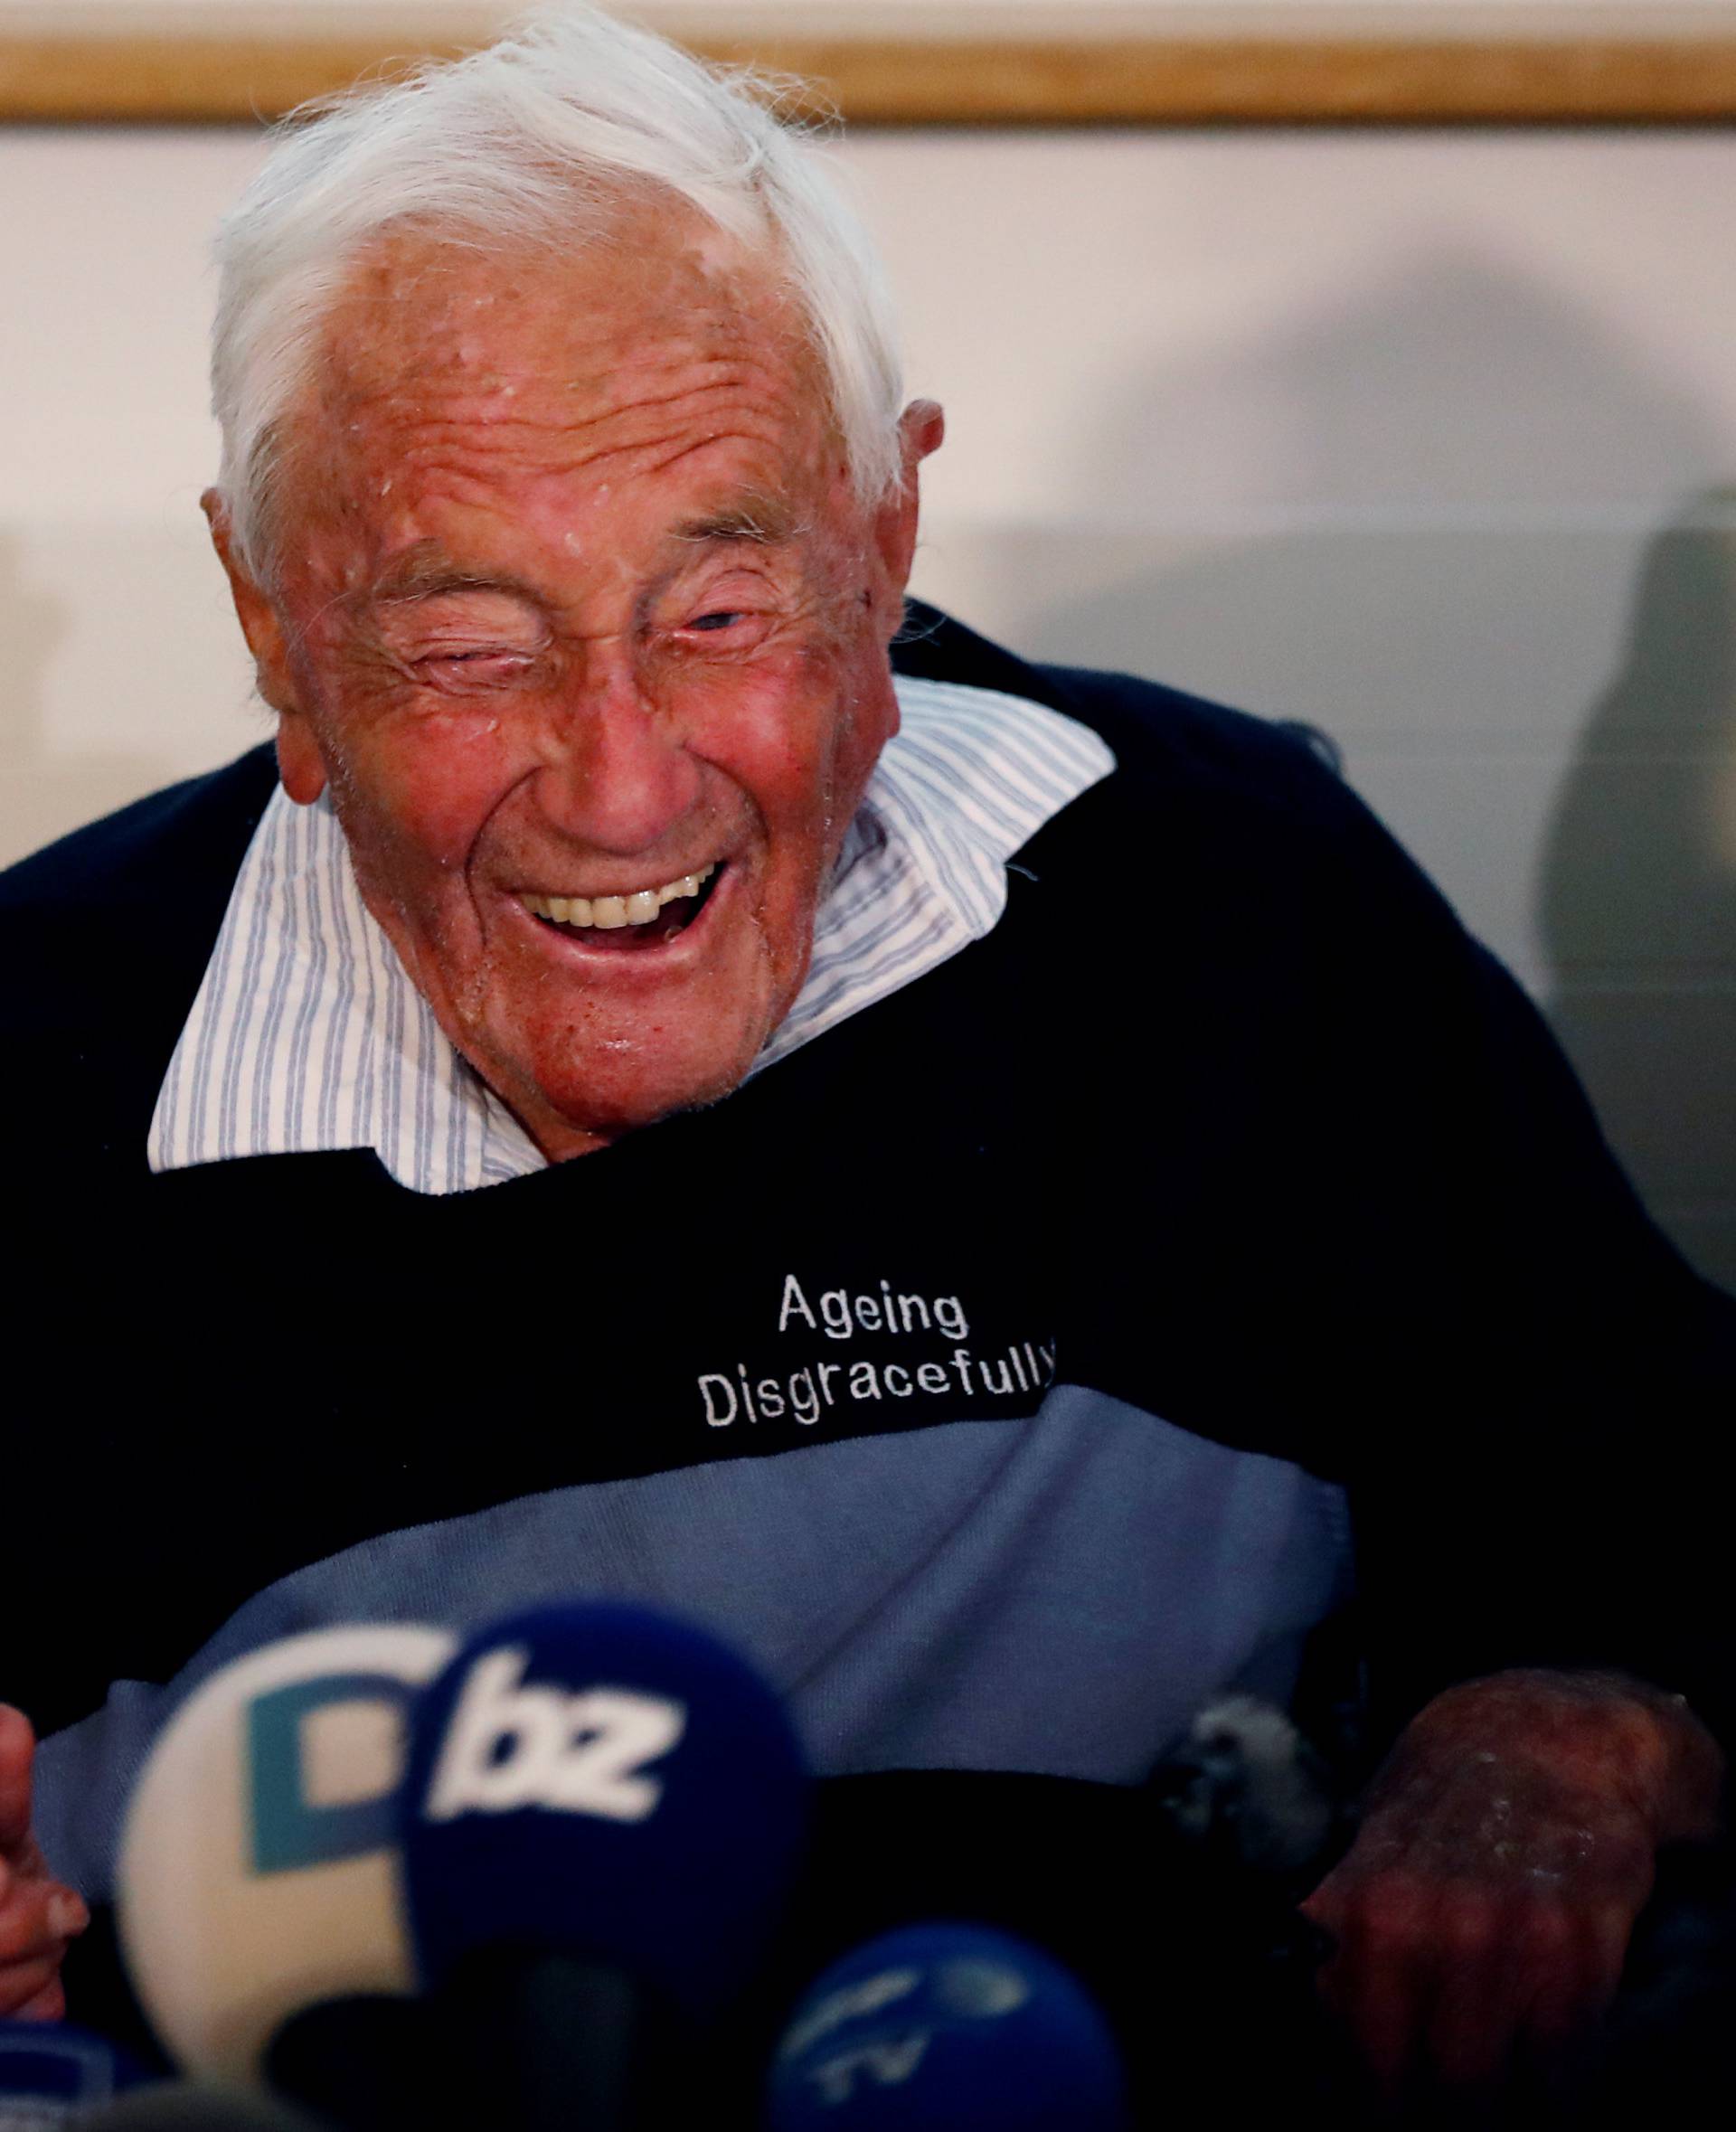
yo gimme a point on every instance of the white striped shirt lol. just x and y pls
(308, 1034)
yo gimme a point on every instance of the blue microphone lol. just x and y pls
(52, 2073)
(947, 2028)
(603, 1812)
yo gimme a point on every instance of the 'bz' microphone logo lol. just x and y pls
(510, 1746)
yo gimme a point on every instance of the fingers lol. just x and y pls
(1377, 1984)
(1568, 1997)
(1462, 1986)
(1501, 1961)
(37, 1915)
(17, 1752)
(1468, 2028)
(47, 2005)
(31, 1991)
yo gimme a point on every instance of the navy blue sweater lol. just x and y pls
(1228, 1120)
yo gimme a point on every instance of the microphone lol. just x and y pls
(52, 2073)
(368, 2061)
(1249, 1788)
(602, 1814)
(257, 1864)
(946, 2028)
(189, 2105)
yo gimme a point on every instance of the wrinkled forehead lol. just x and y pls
(656, 316)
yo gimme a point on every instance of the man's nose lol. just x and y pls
(617, 775)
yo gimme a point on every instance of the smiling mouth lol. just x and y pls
(645, 919)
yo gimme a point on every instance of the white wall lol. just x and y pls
(1427, 437)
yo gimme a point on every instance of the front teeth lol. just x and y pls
(608, 911)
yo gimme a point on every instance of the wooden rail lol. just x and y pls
(1145, 81)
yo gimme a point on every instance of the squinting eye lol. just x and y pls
(485, 655)
(720, 620)
(483, 668)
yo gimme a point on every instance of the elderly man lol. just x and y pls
(1054, 1174)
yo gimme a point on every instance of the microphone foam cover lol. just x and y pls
(257, 1864)
(607, 1782)
(365, 2061)
(189, 2105)
(51, 2070)
(947, 2028)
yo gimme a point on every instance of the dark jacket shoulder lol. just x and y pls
(1173, 752)
(167, 843)
(106, 935)
(128, 888)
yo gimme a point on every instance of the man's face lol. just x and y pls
(577, 617)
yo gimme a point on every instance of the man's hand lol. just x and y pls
(38, 1914)
(1482, 1915)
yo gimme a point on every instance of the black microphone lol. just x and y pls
(370, 2062)
(193, 2106)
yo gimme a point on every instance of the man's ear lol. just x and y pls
(920, 429)
(298, 758)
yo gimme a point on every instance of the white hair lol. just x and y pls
(537, 138)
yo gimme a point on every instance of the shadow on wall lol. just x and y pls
(1638, 888)
(1480, 453)
(33, 626)
(43, 793)
(1452, 384)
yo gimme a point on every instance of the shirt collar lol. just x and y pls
(307, 1035)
